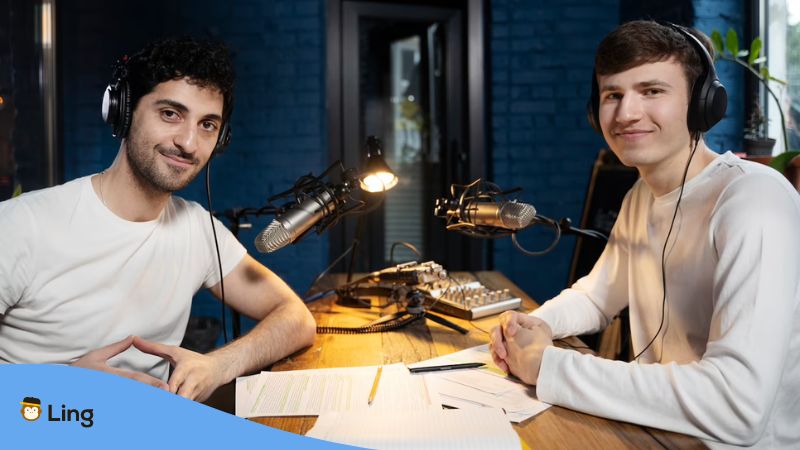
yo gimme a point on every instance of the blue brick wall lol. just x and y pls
(542, 54)
(278, 122)
(721, 15)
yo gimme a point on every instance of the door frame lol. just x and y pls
(473, 141)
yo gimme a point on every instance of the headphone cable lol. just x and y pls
(696, 137)
(216, 246)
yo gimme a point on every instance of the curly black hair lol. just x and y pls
(205, 63)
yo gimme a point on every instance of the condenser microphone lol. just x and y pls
(291, 225)
(509, 215)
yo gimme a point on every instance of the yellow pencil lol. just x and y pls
(375, 386)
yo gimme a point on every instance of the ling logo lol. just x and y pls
(31, 408)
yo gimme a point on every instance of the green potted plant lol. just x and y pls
(752, 61)
(756, 141)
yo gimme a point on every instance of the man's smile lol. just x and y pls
(174, 158)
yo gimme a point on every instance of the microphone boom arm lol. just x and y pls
(463, 214)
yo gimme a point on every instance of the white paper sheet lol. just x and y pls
(310, 392)
(487, 386)
(413, 430)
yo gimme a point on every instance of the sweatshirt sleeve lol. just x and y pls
(594, 300)
(727, 395)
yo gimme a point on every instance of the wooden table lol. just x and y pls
(555, 428)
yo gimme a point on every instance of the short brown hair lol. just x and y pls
(645, 41)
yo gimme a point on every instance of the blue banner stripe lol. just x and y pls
(81, 407)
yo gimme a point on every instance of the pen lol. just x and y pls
(473, 365)
(375, 386)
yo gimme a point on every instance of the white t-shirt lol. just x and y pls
(75, 277)
(726, 365)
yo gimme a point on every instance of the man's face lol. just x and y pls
(173, 132)
(643, 115)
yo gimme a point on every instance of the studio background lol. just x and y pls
(538, 58)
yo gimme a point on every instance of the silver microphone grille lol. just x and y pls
(516, 216)
(275, 236)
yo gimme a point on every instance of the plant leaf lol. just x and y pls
(755, 50)
(760, 60)
(716, 39)
(767, 76)
(777, 80)
(733, 42)
(780, 162)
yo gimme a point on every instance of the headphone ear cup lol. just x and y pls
(591, 117)
(695, 119)
(716, 103)
(110, 107)
(707, 106)
(123, 125)
(223, 140)
(709, 99)
(116, 108)
(592, 106)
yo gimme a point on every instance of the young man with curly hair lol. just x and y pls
(704, 253)
(97, 266)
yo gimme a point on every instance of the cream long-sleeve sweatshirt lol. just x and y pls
(726, 365)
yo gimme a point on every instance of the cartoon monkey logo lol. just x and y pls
(31, 408)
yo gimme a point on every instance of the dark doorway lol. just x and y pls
(28, 102)
(399, 71)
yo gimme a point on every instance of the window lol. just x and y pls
(780, 25)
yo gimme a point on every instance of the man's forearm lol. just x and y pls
(288, 328)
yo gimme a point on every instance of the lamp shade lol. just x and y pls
(376, 175)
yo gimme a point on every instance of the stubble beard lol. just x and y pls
(142, 158)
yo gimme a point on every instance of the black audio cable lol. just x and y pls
(696, 138)
(216, 246)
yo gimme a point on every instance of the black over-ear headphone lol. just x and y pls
(117, 111)
(709, 98)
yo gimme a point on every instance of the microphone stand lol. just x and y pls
(565, 225)
(361, 224)
(416, 309)
(348, 300)
(413, 311)
(310, 187)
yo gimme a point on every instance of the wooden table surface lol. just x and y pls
(555, 428)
